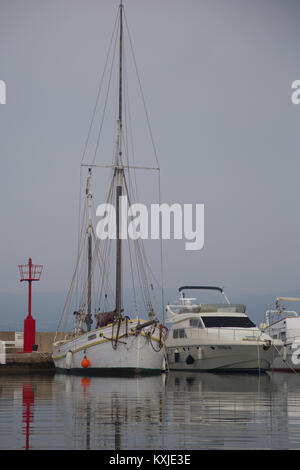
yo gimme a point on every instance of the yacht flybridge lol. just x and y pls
(217, 336)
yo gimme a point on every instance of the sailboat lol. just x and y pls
(118, 344)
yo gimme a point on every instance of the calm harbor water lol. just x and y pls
(176, 411)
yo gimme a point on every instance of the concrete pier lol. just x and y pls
(39, 361)
(27, 363)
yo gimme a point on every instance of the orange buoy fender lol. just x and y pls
(85, 382)
(85, 362)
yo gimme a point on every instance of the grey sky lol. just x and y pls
(217, 80)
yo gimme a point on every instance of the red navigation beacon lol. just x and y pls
(29, 273)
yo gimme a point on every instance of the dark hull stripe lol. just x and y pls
(109, 372)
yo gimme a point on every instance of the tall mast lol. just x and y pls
(119, 171)
(89, 295)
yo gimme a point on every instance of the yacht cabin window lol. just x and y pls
(282, 336)
(233, 322)
(179, 333)
(195, 323)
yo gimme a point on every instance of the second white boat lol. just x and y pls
(284, 324)
(216, 336)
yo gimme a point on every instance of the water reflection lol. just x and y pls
(113, 413)
(28, 402)
(176, 411)
(227, 410)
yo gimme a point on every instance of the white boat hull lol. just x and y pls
(132, 354)
(287, 361)
(234, 357)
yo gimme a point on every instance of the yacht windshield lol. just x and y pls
(236, 322)
(232, 308)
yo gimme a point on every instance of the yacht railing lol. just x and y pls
(222, 332)
(292, 339)
(274, 316)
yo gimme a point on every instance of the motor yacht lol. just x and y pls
(217, 336)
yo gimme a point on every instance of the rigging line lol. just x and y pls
(128, 196)
(79, 208)
(144, 256)
(130, 139)
(142, 284)
(142, 274)
(130, 185)
(131, 182)
(140, 265)
(141, 90)
(106, 98)
(75, 273)
(100, 257)
(144, 261)
(102, 276)
(107, 249)
(130, 258)
(132, 276)
(84, 265)
(83, 280)
(83, 227)
(144, 279)
(63, 318)
(95, 258)
(140, 277)
(156, 157)
(94, 278)
(151, 275)
(161, 255)
(103, 283)
(79, 213)
(99, 90)
(115, 132)
(106, 283)
(142, 248)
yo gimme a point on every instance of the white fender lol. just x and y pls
(69, 356)
(284, 352)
